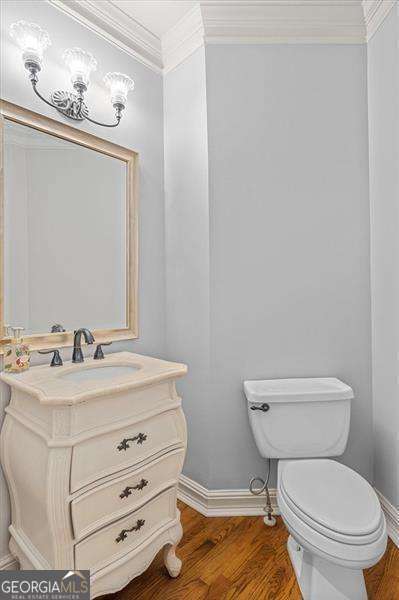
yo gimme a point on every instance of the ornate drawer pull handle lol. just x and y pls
(139, 486)
(123, 534)
(139, 439)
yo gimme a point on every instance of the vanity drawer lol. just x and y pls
(119, 538)
(107, 502)
(111, 452)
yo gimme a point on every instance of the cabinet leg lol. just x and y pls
(172, 562)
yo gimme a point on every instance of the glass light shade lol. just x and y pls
(119, 85)
(32, 40)
(80, 64)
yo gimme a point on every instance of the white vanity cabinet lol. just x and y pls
(92, 467)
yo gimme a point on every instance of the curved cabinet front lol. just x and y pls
(110, 543)
(98, 506)
(111, 452)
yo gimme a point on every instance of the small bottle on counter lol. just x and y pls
(16, 352)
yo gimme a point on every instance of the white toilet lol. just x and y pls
(334, 518)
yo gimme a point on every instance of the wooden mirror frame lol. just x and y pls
(45, 340)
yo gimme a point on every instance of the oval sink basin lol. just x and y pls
(100, 373)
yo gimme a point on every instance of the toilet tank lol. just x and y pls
(294, 418)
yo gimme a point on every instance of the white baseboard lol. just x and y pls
(392, 518)
(229, 503)
(223, 503)
(8, 563)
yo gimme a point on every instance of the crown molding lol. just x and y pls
(264, 22)
(375, 12)
(283, 21)
(226, 22)
(117, 27)
(183, 39)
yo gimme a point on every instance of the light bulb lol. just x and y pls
(80, 64)
(119, 86)
(32, 40)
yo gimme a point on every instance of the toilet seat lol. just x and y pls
(332, 510)
(332, 498)
(330, 533)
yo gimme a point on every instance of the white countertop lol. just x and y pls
(50, 386)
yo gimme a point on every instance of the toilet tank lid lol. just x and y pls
(306, 389)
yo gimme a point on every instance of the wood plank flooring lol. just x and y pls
(226, 558)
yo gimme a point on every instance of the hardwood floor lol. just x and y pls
(239, 557)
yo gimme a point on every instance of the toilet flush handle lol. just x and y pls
(263, 407)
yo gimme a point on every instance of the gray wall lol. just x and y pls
(289, 211)
(383, 92)
(290, 283)
(187, 250)
(286, 291)
(141, 130)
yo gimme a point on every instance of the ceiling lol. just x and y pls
(158, 16)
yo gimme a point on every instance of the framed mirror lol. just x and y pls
(68, 232)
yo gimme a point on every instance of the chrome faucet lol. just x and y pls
(77, 355)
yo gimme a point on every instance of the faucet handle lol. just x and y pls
(98, 354)
(56, 361)
(57, 328)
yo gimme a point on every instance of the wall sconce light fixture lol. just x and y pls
(33, 41)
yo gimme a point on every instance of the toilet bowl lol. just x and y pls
(336, 525)
(334, 518)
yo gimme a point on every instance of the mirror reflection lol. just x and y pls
(65, 242)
